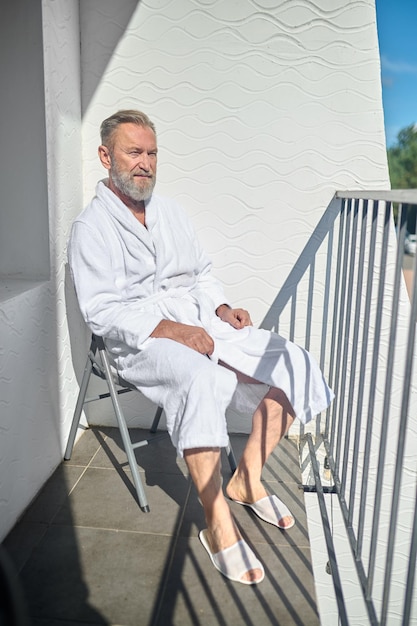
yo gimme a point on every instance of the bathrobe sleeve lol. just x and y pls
(99, 297)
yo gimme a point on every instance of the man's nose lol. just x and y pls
(144, 162)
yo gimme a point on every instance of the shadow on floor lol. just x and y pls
(86, 554)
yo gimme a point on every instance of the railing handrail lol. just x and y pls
(347, 282)
(406, 196)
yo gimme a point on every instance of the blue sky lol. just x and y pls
(397, 34)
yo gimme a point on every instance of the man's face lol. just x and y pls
(133, 161)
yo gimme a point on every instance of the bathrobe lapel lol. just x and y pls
(123, 218)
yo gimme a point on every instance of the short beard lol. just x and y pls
(125, 184)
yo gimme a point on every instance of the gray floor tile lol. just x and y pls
(53, 494)
(159, 455)
(104, 498)
(200, 595)
(65, 622)
(87, 446)
(22, 540)
(283, 463)
(96, 576)
(93, 557)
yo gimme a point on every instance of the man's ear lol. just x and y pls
(104, 156)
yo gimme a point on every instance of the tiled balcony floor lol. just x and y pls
(87, 554)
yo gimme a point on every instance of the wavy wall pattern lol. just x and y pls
(263, 109)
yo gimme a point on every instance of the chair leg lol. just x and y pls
(127, 443)
(231, 457)
(97, 343)
(156, 419)
(78, 409)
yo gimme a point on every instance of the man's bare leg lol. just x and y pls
(271, 420)
(204, 468)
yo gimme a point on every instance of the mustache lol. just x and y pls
(142, 172)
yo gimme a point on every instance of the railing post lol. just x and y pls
(366, 431)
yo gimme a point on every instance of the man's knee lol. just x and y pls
(278, 396)
(211, 377)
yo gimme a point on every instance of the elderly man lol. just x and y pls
(145, 285)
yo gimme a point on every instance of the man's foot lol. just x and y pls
(269, 508)
(237, 562)
(272, 510)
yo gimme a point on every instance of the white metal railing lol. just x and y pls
(346, 301)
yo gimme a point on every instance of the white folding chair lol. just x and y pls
(116, 385)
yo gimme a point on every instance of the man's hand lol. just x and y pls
(238, 318)
(192, 336)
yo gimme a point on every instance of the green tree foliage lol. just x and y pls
(402, 163)
(402, 159)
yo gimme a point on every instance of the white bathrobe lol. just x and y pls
(128, 278)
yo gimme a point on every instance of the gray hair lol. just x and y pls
(128, 116)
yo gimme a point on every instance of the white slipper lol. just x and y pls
(235, 561)
(270, 509)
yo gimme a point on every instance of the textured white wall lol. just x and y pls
(24, 252)
(37, 381)
(263, 110)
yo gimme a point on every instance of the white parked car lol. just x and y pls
(410, 244)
